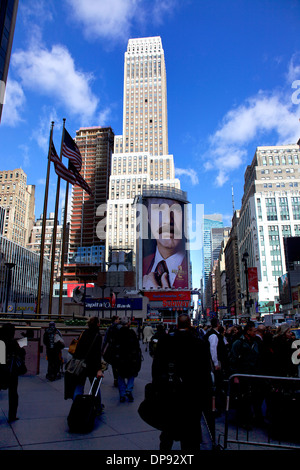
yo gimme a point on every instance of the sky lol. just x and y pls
(233, 83)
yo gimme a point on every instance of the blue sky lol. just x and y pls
(231, 68)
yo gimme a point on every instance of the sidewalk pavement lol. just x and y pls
(43, 412)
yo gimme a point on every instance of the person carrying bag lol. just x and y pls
(86, 361)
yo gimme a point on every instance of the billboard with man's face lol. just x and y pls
(164, 255)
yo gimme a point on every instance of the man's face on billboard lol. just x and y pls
(166, 222)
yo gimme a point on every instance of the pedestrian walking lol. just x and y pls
(185, 355)
(283, 365)
(15, 362)
(89, 348)
(160, 331)
(108, 345)
(244, 359)
(148, 332)
(54, 343)
(127, 359)
(219, 360)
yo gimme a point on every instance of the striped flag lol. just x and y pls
(71, 151)
(80, 181)
(60, 168)
(83, 184)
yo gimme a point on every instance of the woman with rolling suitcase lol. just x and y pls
(89, 349)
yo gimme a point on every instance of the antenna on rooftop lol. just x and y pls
(232, 199)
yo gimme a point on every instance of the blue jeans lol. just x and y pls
(125, 387)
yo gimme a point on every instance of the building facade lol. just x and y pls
(96, 147)
(140, 160)
(210, 221)
(35, 241)
(18, 288)
(270, 212)
(18, 200)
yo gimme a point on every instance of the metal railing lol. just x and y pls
(272, 386)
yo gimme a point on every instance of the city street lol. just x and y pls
(42, 423)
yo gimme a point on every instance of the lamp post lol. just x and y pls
(102, 289)
(244, 260)
(9, 267)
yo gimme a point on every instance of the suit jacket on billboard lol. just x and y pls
(181, 279)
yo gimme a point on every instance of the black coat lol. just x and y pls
(89, 347)
(190, 356)
(127, 353)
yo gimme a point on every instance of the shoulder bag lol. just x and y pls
(160, 402)
(77, 367)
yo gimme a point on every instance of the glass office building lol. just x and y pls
(24, 266)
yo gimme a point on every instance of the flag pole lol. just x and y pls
(55, 231)
(63, 249)
(42, 248)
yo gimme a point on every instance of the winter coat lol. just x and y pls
(89, 347)
(148, 332)
(126, 353)
(244, 357)
(190, 356)
(282, 358)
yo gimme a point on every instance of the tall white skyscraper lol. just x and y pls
(140, 158)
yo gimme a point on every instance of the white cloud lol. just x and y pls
(105, 19)
(53, 73)
(13, 104)
(265, 119)
(42, 132)
(190, 173)
(114, 19)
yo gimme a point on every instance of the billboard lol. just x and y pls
(165, 259)
(284, 289)
(78, 288)
(120, 304)
(252, 280)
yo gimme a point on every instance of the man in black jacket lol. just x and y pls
(126, 359)
(187, 356)
(244, 359)
(53, 351)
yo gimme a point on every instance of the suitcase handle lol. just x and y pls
(98, 387)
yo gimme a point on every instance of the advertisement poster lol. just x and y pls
(252, 280)
(165, 258)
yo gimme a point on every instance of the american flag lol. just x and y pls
(80, 181)
(83, 184)
(60, 168)
(71, 151)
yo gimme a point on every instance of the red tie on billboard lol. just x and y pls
(252, 280)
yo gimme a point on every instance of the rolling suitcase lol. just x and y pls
(81, 418)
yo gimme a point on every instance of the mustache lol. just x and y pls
(171, 230)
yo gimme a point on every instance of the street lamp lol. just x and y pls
(244, 260)
(102, 289)
(9, 267)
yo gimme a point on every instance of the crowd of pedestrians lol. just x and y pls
(202, 359)
(252, 351)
